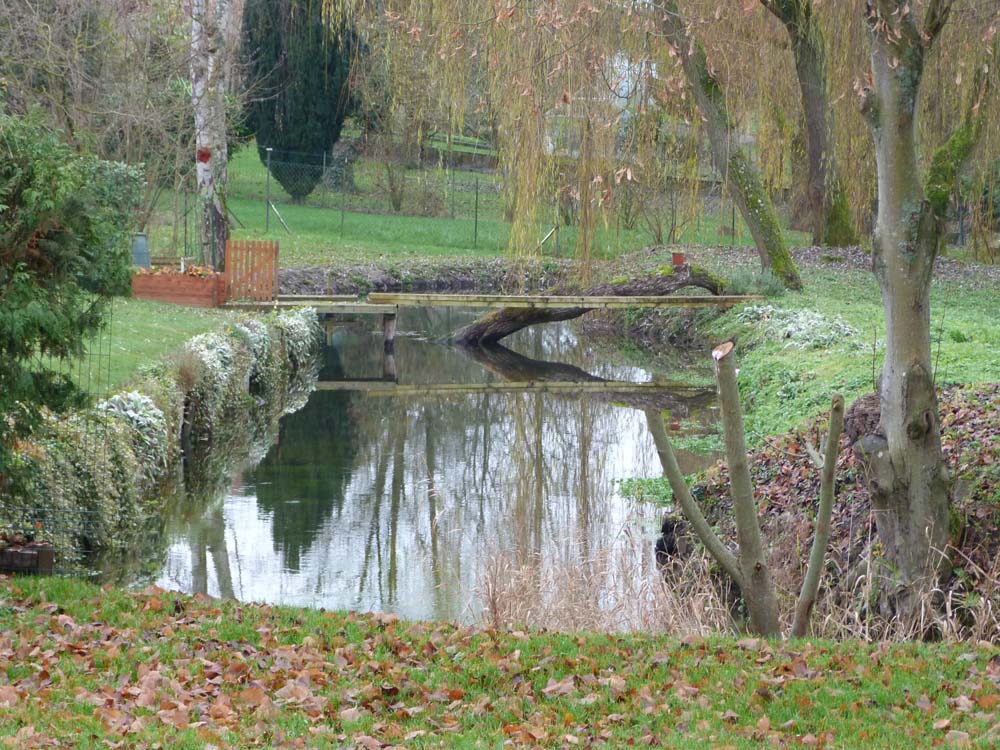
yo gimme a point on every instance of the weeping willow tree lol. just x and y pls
(827, 201)
(550, 76)
(909, 102)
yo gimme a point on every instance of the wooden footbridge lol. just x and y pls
(387, 304)
(380, 303)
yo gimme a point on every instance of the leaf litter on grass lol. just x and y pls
(86, 667)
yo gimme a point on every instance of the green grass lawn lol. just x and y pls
(139, 332)
(783, 384)
(368, 230)
(92, 668)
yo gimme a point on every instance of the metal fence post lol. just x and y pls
(961, 222)
(322, 180)
(556, 224)
(732, 228)
(452, 173)
(267, 193)
(475, 226)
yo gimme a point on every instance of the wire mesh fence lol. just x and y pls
(345, 182)
(37, 534)
(353, 196)
(41, 539)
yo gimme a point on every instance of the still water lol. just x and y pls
(371, 500)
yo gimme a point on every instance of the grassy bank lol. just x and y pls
(139, 332)
(796, 349)
(92, 668)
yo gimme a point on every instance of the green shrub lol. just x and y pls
(94, 476)
(65, 220)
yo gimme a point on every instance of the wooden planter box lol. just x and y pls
(181, 289)
(37, 558)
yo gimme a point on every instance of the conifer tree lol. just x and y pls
(298, 63)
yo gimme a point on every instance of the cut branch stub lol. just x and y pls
(722, 350)
(758, 590)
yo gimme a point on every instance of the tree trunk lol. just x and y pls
(758, 591)
(499, 324)
(831, 219)
(730, 158)
(906, 472)
(210, 24)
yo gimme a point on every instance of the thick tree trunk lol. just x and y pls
(831, 220)
(499, 324)
(210, 24)
(730, 158)
(906, 471)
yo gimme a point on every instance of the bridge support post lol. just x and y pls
(389, 366)
(329, 328)
(389, 331)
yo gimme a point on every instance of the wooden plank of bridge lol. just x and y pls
(555, 301)
(383, 387)
(323, 308)
(303, 299)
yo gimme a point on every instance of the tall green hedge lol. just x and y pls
(95, 477)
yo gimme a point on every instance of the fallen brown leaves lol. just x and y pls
(119, 671)
(787, 485)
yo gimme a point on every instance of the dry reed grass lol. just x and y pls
(619, 589)
(616, 590)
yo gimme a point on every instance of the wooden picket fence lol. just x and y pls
(251, 270)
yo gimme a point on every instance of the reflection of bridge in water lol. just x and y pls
(379, 386)
(520, 374)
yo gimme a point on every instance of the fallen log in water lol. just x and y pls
(499, 324)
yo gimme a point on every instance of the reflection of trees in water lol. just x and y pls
(376, 502)
(302, 480)
(200, 523)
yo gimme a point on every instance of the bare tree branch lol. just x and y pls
(719, 552)
(821, 534)
(935, 18)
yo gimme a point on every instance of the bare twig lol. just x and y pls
(690, 508)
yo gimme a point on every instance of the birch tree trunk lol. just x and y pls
(730, 158)
(907, 476)
(211, 22)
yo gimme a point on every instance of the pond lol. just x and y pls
(379, 495)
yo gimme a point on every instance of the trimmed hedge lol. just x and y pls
(96, 477)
